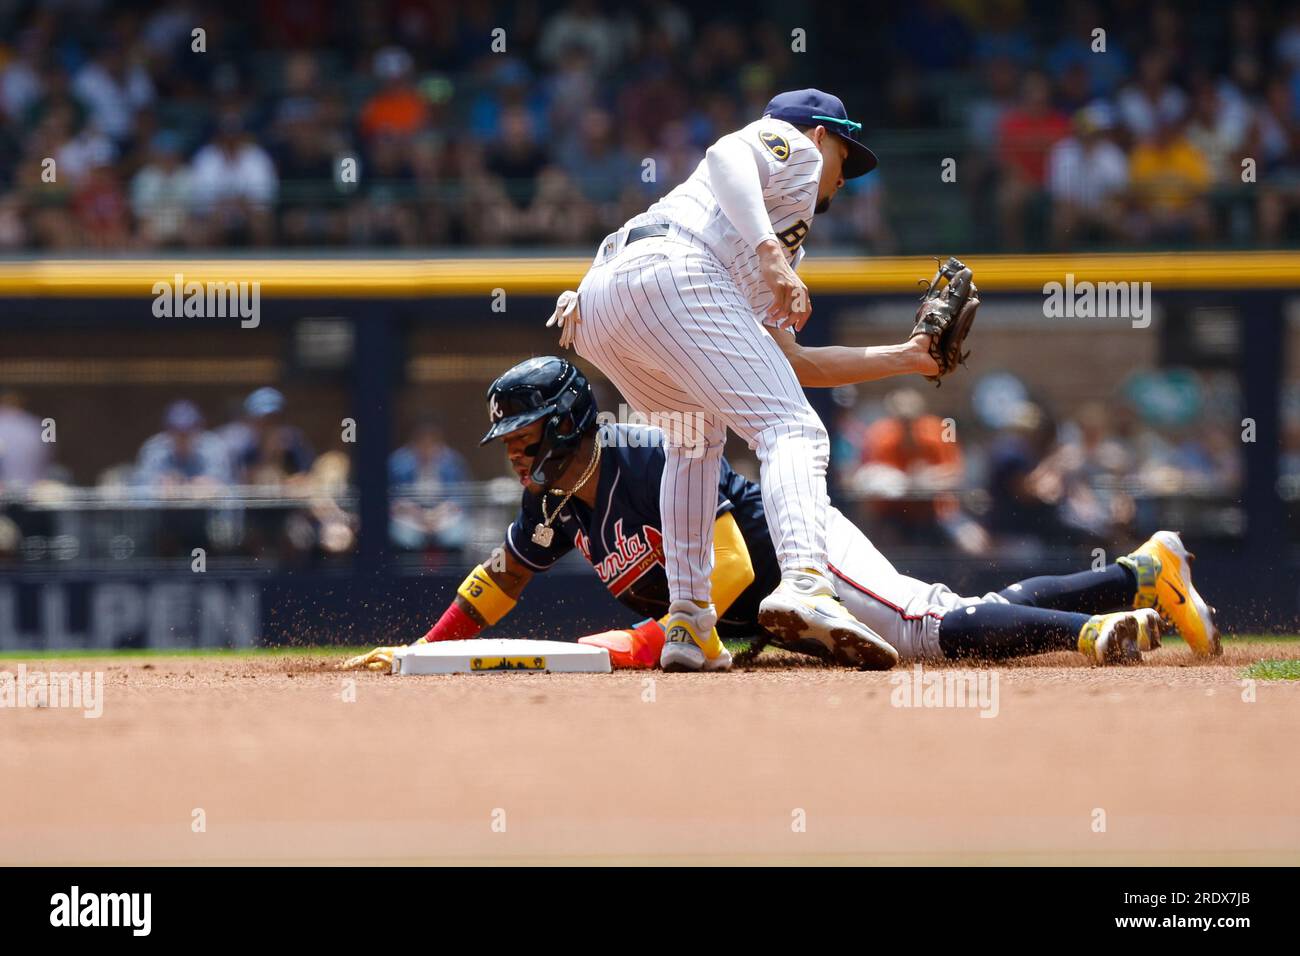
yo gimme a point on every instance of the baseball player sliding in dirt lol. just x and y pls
(607, 479)
(674, 311)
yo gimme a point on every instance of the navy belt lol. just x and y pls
(646, 232)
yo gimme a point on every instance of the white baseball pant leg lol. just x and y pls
(903, 610)
(668, 326)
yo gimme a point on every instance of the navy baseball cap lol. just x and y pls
(815, 108)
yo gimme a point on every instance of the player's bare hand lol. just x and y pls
(791, 303)
(566, 317)
(925, 363)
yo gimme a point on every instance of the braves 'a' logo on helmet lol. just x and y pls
(546, 390)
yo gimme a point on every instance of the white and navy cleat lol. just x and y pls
(804, 610)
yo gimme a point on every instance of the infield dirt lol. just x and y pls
(1169, 762)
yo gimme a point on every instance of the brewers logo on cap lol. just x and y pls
(776, 144)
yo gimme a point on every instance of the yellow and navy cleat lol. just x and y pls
(683, 649)
(1121, 637)
(1163, 566)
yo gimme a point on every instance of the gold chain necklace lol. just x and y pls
(544, 534)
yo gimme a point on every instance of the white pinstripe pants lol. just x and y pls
(668, 326)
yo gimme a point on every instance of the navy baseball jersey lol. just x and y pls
(622, 535)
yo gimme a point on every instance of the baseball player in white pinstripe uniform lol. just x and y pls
(678, 310)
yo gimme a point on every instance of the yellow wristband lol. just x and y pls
(485, 596)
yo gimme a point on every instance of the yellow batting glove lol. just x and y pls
(380, 659)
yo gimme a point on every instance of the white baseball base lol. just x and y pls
(494, 655)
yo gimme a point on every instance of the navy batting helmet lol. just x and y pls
(550, 389)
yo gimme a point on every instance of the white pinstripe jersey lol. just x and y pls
(794, 168)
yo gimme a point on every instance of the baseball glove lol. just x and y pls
(946, 314)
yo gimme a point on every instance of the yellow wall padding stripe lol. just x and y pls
(159, 371)
(417, 278)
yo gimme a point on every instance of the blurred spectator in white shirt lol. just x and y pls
(79, 150)
(161, 192)
(1151, 101)
(113, 89)
(1086, 178)
(24, 458)
(234, 185)
(582, 24)
(183, 455)
(1218, 128)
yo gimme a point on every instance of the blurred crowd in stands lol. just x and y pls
(394, 123)
(1013, 470)
(269, 493)
(1013, 475)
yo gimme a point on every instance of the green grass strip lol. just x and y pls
(1274, 670)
